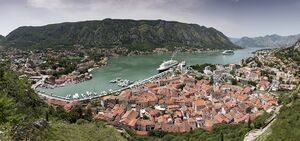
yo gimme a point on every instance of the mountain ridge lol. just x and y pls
(2, 37)
(133, 34)
(273, 40)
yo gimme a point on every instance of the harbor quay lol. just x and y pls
(63, 101)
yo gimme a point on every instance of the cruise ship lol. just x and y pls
(167, 64)
(228, 52)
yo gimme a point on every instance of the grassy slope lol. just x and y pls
(90, 131)
(286, 127)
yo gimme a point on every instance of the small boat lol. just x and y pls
(228, 52)
(125, 83)
(68, 96)
(76, 96)
(115, 80)
(88, 93)
(95, 94)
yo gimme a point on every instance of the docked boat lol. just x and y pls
(124, 83)
(167, 64)
(115, 80)
(228, 52)
(76, 96)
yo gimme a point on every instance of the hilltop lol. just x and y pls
(267, 41)
(290, 54)
(133, 34)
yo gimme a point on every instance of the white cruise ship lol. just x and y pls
(168, 64)
(228, 52)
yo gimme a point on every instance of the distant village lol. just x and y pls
(182, 99)
(61, 66)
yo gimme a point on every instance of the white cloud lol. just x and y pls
(48, 4)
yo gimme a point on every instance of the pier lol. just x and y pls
(136, 84)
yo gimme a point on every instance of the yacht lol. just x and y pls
(167, 64)
(228, 52)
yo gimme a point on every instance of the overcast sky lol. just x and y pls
(235, 18)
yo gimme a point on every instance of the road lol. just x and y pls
(253, 134)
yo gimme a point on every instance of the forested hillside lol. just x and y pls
(133, 34)
(24, 116)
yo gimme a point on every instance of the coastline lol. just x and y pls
(153, 53)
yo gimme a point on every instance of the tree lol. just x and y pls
(221, 136)
(47, 116)
(249, 123)
(295, 96)
(7, 109)
(1, 74)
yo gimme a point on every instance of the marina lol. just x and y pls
(136, 68)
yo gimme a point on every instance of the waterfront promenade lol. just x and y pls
(136, 84)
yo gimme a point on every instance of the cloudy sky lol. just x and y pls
(235, 18)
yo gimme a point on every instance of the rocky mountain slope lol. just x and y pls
(268, 41)
(289, 54)
(2, 38)
(133, 34)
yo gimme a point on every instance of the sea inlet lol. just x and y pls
(140, 67)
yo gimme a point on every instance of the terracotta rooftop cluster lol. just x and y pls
(182, 103)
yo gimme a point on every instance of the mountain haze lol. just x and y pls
(268, 41)
(133, 34)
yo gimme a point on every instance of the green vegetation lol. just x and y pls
(231, 132)
(80, 131)
(68, 63)
(286, 126)
(18, 102)
(290, 53)
(24, 116)
(201, 67)
(2, 38)
(135, 35)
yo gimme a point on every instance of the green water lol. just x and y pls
(140, 67)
